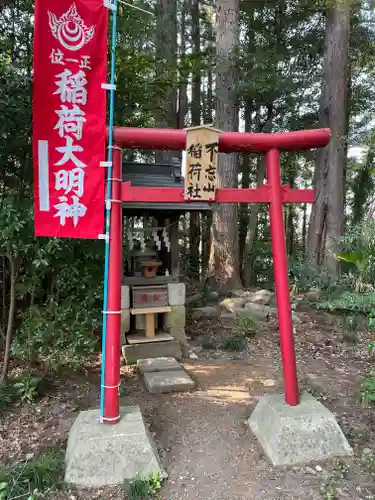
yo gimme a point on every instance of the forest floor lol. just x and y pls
(205, 445)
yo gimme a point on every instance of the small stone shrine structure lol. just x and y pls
(153, 291)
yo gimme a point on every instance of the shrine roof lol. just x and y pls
(158, 175)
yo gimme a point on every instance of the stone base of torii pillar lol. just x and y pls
(105, 455)
(291, 435)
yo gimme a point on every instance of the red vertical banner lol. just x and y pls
(69, 117)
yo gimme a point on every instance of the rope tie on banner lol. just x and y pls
(112, 5)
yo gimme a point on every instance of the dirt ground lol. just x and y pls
(205, 445)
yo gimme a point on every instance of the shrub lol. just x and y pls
(235, 343)
(29, 388)
(304, 276)
(8, 396)
(246, 326)
(357, 251)
(143, 487)
(367, 391)
(59, 335)
(32, 477)
(26, 389)
(351, 302)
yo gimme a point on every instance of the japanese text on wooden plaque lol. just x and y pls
(202, 144)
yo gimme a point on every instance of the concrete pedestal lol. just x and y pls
(102, 455)
(291, 435)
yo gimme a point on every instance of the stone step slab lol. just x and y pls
(168, 381)
(163, 364)
(135, 352)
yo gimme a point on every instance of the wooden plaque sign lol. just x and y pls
(202, 145)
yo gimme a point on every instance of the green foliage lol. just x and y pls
(25, 389)
(357, 250)
(330, 493)
(7, 396)
(59, 335)
(306, 276)
(371, 347)
(32, 477)
(28, 388)
(143, 487)
(246, 326)
(262, 260)
(235, 343)
(367, 391)
(369, 461)
(351, 323)
(350, 302)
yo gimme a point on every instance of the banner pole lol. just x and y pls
(112, 89)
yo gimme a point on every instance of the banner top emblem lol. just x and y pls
(70, 30)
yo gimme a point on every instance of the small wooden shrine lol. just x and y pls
(154, 290)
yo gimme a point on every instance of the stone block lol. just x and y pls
(171, 381)
(233, 304)
(170, 349)
(158, 365)
(263, 297)
(180, 335)
(176, 294)
(125, 297)
(291, 435)
(104, 455)
(176, 318)
(205, 312)
(125, 321)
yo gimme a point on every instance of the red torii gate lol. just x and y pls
(273, 192)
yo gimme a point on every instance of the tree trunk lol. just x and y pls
(12, 308)
(166, 67)
(290, 210)
(194, 226)
(224, 256)
(253, 219)
(304, 228)
(363, 187)
(327, 218)
(184, 77)
(208, 118)
(245, 183)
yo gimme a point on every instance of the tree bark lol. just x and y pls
(208, 118)
(224, 256)
(166, 67)
(245, 183)
(253, 218)
(12, 308)
(184, 77)
(327, 218)
(194, 222)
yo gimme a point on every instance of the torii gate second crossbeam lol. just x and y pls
(273, 193)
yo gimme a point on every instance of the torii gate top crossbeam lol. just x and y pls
(175, 140)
